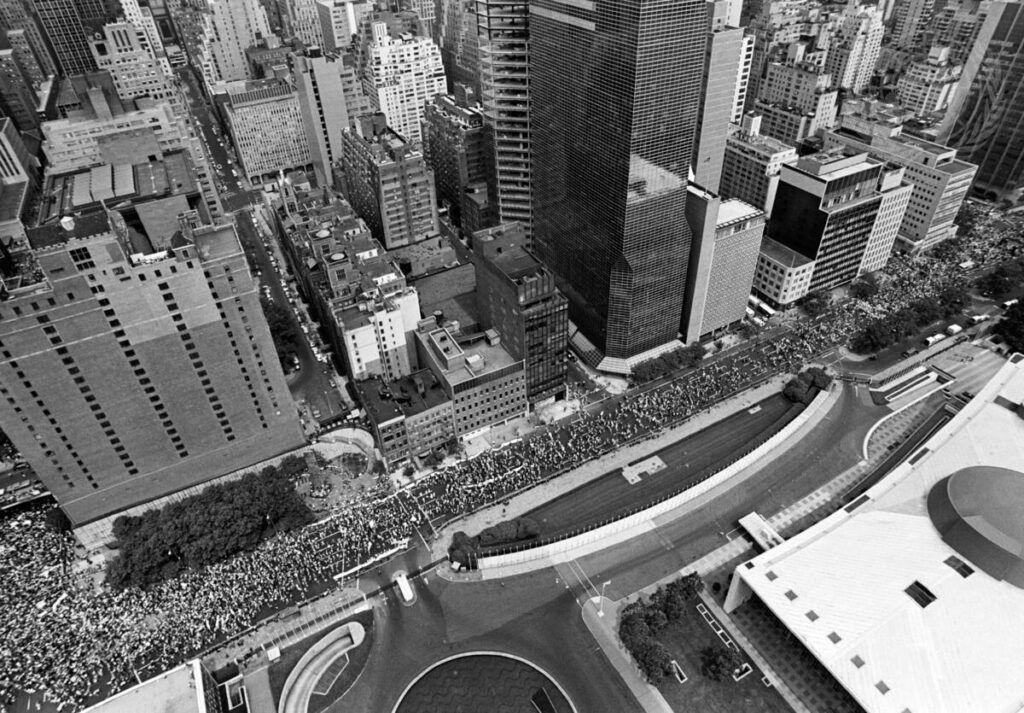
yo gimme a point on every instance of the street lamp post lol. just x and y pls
(600, 611)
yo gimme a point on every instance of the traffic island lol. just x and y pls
(320, 669)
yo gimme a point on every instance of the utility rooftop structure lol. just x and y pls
(912, 596)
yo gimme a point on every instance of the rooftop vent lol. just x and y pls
(68, 223)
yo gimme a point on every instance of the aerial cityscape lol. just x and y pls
(511, 356)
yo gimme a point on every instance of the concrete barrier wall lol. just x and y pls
(631, 525)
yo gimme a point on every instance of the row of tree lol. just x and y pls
(682, 358)
(641, 621)
(205, 528)
(883, 332)
(803, 387)
(282, 330)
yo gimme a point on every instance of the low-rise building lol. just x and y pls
(486, 384)
(782, 275)
(411, 416)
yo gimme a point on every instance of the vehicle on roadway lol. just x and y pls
(934, 339)
(1009, 303)
(954, 329)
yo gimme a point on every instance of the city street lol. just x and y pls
(537, 615)
(311, 385)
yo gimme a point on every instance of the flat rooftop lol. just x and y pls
(80, 191)
(376, 399)
(53, 233)
(442, 286)
(493, 358)
(406, 392)
(735, 210)
(782, 254)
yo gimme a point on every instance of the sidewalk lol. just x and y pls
(592, 470)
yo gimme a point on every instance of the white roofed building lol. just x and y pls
(912, 596)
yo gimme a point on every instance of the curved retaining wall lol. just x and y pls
(630, 525)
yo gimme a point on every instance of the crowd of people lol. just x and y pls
(71, 640)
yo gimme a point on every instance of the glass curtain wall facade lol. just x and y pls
(615, 87)
(989, 129)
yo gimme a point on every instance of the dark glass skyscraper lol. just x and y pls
(989, 106)
(614, 90)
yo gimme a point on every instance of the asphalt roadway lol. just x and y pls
(313, 382)
(687, 461)
(537, 615)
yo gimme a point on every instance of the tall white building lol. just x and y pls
(895, 198)
(340, 21)
(142, 18)
(796, 99)
(305, 22)
(229, 28)
(928, 85)
(124, 50)
(854, 47)
(330, 96)
(401, 72)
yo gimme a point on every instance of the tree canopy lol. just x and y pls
(1011, 327)
(641, 621)
(815, 303)
(205, 528)
(282, 329)
(682, 358)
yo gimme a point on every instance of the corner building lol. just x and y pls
(615, 88)
(137, 364)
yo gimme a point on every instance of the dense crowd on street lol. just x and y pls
(72, 640)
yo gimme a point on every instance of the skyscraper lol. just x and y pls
(68, 24)
(330, 97)
(136, 358)
(455, 32)
(388, 183)
(722, 64)
(503, 40)
(455, 148)
(985, 121)
(229, 28)
(825, 211)
(853, 50)
(17, 100)
(615, 87)
(16, 15)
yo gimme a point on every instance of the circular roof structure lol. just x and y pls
(979, 512)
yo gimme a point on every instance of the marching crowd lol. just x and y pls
(63, 636)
